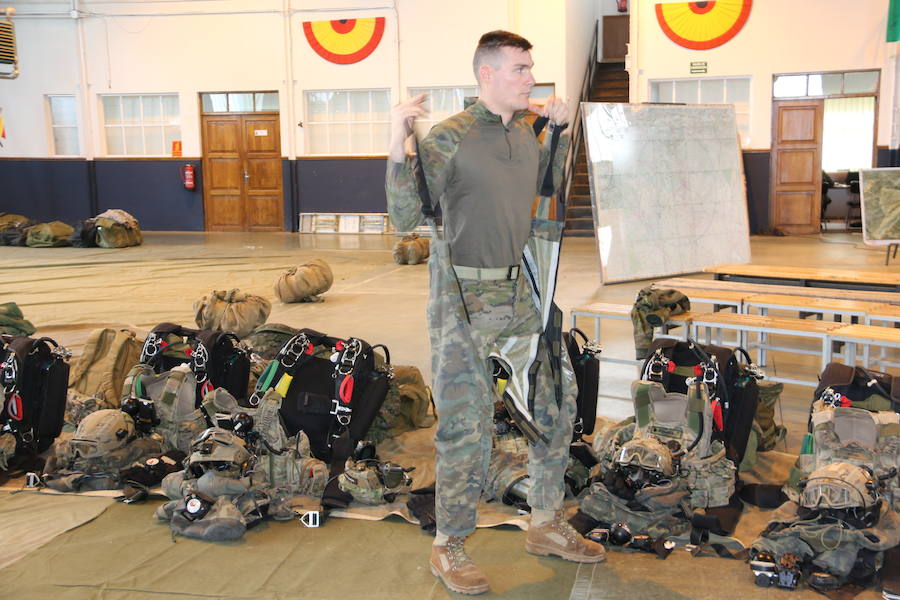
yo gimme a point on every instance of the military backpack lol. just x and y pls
(33, 375)
(49, 235)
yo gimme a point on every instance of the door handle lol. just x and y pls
(246, 177)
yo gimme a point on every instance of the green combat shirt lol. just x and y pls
(485, 175)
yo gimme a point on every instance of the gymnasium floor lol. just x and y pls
(122, 553)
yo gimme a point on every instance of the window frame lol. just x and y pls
(842, 72)
(271, 111)
(48, 104)
(745, 143)
(106, 126)
(307, 123)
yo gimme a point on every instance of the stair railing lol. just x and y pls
(576, 132)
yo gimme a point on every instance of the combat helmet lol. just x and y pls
(647, 461)
(102, 432)
(218, 449)
(840, 485)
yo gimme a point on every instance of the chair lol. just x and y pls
(854, 210)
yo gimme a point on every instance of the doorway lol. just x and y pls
(823, 131)
(242, 173)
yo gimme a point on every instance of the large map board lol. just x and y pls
(667, 188)
(880, 200)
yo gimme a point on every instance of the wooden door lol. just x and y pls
(242, 188)
(615, 37)
(795, 197)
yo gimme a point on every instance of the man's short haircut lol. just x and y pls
(490, 43)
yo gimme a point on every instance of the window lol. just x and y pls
(709, 90)
(344, 122)
(141, 125)
(442, 102)
(848, 130)
(805, 85)
(222, 102)
(64, 125)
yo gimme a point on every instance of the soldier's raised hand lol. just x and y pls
(403, 116)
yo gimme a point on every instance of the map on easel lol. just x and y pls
(880, 199)
(667, 188)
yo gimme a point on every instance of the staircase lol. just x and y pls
(610, 85)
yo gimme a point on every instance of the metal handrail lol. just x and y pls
(576, 133)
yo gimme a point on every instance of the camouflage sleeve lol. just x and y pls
(559, 159)
(403, 202)
(436, 152)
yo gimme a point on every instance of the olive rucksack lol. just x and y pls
(217, 358)
(96, 378)
(116, 228)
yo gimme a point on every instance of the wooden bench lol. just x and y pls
(866, 335)
(689, 283)
(744, 323)
(809, 277)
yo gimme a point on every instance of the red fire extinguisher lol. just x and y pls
(622, 5)
(187, 176)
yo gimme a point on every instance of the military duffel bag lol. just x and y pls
(49, 235)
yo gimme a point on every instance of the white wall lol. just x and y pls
(169, 47)
(779, 37)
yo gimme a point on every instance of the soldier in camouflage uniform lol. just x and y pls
(484, 166)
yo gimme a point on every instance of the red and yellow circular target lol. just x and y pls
(702, 25)
(344, 41)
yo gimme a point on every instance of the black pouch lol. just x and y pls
(85, 234)
(586, 364)
(35, 377)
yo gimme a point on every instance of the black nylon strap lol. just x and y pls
(547, 186)
(422, 184)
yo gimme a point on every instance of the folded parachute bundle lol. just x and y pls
(13, 322)
(33, 377)
(14, 229)
(305, 282)
(115, 228)
(231, 310)
(216, 358)
(411, 249)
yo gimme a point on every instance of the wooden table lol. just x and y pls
(801, 276)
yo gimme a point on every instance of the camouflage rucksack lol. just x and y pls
(374, 482)
(97, 377)
(109, 233)
(105, 443)
(267, 339)
(406, 406)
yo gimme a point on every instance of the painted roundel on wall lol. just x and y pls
(344, 41)
(702, 25)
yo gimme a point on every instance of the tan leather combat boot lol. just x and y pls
(454, 567)
(557, 538)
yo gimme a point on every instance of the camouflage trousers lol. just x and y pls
(502, 314)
